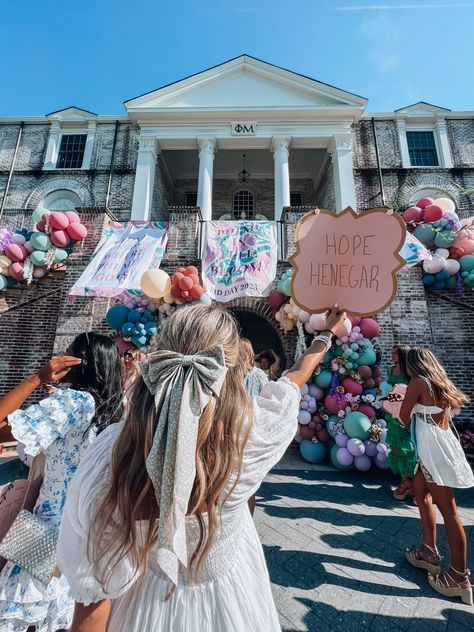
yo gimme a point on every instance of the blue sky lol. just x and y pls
(95, 54)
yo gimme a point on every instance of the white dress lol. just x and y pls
(59, 427)
(440, 455)
(233, 593)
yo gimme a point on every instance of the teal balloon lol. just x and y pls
(286, 287)
(150, 328)
(428, 280)
(367, 357)
(134, 316)
(139, 341)
(60, 255)
(438, 285)
(116, 316)
(38, 214)
(327, 358)
(38, 258)
(426, 234)
(3, 282)
(445, 239)
(335, 462)
(467, 263)
(148, 315)
(324, 379)
(357, 425)
(451, 283)
(128, 329)
(333, 419)
(40, 241)
(313, 452)
(205, 299)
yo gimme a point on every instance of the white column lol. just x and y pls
(446, 160)
(144, 178)
(207, 149)
(402, 139)
(340, 148)
(280, 148)
(86, 161)
(52, 149)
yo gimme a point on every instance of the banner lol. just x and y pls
(123, 254)
(240, 259)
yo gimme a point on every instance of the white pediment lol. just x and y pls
(72, 114)
(422, 109)
(245, 83)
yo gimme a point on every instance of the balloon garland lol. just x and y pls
(450, 241)
(29, 254)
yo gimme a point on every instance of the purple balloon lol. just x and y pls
(356, 447)
(382, 447)
(370, 448)
(381, 461)
(382, 423)
(344, 456)
(316, 392)
(363, 463)
(341, 440)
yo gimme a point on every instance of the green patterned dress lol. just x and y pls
(402, 458)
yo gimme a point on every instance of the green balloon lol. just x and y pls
(60, 256)
(367, 357)
(335, 462)
(467, 263)
(38, 258)
(324, 379)
(333, 419)
(38, 214)
(451, 283)
(40, 241)
(357, 425)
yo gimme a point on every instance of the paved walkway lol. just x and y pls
(334, 543)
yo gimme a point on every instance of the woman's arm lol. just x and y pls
(304, 367)
(275, 367)
(412, 396)
(91, 618)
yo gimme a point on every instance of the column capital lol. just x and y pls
(91, 126)
(340, 142)
(148, 143)
(401, 124)
(440, 123)
(55, 127)
(280, 143)
(206, 146)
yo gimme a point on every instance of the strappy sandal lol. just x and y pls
(402, 491)
(441, 585)
(416, 559)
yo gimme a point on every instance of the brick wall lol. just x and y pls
(325, 193)
(461, 141)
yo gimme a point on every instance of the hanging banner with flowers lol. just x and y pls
(123, 255)
(240, 259)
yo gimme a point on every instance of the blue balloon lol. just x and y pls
(206, 299)
(143, 320)
(139, 341)
(128, 329)
(442, 276)
(3, 282)
(312, 452)
(425, 233)
(439, 285)
(134, 316)
(150, 328)
(117, 316)
(148, 315)
(428, 280)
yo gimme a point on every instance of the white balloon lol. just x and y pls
(442, 252)
(303, 316)
(445, 204)
(434, 265)
(309, 329)
(452, 266)
(317, 321)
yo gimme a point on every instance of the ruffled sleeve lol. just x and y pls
(39, 425)
(274, 427)
(85, 492)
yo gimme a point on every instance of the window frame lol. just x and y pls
(71, 133)
(236, 212)
(422, 129)
(186, 203)
(300, 193)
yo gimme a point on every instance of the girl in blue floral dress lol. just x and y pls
(61, 427)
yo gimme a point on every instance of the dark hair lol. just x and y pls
(100, 375)
(402, 353)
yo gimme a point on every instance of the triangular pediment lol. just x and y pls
(421, 109)
(245, 83)
(72, 114)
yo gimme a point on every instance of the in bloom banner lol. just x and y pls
(240, 259)
(123, 254)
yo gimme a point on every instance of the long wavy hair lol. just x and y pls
(422, 362)
(224, 428)
(247, 356)
(100, 375)
(402, 353)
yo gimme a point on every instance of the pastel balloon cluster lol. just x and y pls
(135, 325)
(288, 315)
(186, 286)
(63, 227)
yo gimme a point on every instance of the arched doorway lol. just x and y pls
(260, 332)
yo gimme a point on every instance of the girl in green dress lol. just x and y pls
(402, 458)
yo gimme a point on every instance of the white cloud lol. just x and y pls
(404, 7)
(383, 42)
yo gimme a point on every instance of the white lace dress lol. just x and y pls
(233, 593)
(59, 427)
(440, 455)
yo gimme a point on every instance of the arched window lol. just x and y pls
(243, 207)
(429, 192)
(61, 200)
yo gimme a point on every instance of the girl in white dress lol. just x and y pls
(60, 427)
(156, 535)
(441, 467)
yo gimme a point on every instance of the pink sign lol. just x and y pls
(347, 258)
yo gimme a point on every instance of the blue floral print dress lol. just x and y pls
(60, 427)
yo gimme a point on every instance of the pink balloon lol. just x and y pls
(433, 213)
(355, 320)
(16, 252)
(322, 435)
(38, 272)
(60, 238)
(351, 386)
(369, 328)
(434, 265)
(365, 372)
(58, 220)
(306, 432)
(72, 217)
(424, 202)
(366, 410)
(370, 382)
(317, 321)
(333, 405)
(16, 271)
(77, 231)
(41, 226)
(413, 214)
(345, 329)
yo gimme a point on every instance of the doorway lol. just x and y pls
(260, 332)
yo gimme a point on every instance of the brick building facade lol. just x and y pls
(310, 145)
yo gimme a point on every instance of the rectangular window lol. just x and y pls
(422, 149)
(71, 151)
(191, 198)
(296, 199)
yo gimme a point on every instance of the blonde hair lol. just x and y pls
(224, 428)
(247, 355)
(421, 362)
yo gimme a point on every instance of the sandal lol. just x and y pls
(430, 563)
(441, 584)
(402, 491)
